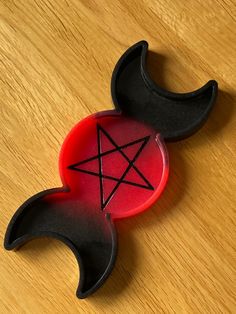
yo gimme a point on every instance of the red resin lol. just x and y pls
(81, 144)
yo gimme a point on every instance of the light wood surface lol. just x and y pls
(56, 60)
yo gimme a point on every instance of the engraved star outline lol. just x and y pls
(130, 165)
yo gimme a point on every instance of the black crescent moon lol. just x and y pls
(91, 237)
(175, 116)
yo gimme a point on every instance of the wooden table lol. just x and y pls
(56, 60)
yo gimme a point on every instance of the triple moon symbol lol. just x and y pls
(103, 184)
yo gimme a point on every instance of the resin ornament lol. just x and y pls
(113, 164)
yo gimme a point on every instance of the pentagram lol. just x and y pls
(130, 165)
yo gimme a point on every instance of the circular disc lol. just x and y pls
(114, 164)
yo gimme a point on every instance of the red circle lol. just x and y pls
(114, 163)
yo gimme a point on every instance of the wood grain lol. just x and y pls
(56, 60)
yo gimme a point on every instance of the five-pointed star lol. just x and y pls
(130, 165)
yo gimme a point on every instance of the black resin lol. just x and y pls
(175, 116)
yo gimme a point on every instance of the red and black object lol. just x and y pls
(113, 164)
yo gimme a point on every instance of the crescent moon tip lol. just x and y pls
(212, 83)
